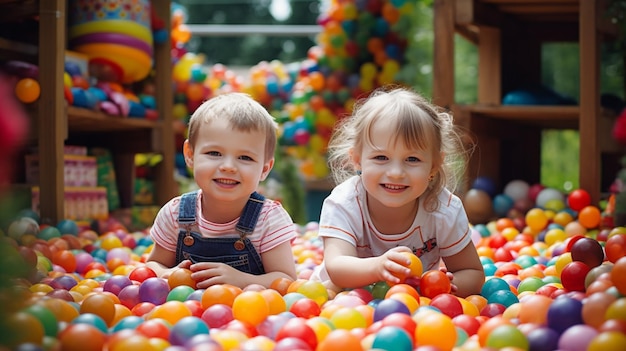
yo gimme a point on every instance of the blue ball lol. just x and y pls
(564, 312)
(502, 203)
(389, 306)
(392, 338)
(485, 184)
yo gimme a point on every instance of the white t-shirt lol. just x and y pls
(273, 227)
(432, 235)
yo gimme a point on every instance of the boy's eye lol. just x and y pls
(380, 157)
(246, 158)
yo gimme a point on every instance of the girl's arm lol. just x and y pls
(468, 272)
(346, 270)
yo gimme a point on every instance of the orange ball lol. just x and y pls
(27, 90)
(181, 276)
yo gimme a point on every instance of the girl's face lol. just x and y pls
(393, 175)
(227, 164)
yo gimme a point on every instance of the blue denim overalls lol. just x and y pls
(236, 252)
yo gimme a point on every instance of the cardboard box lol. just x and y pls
(81, 203)
(79, 171)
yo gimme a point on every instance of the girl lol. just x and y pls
(402, 151)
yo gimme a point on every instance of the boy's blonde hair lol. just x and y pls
(418, 124)
(242, 112)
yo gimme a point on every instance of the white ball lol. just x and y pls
(548, 194)
(517, 189)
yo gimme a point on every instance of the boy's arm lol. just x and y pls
(162, 261)
(468, 272)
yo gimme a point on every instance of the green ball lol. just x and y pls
(68, 226)
(380, 290)
(48, 233)
(180, 293)
(47, 319)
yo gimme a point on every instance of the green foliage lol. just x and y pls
(559, 159)
(293, 194)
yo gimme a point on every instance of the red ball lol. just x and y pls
(434, 283)
(573, 276)
(615, 247)
(578, 199)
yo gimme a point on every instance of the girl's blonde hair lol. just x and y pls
(242, 112)
(418, 124)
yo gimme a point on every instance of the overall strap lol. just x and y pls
(187, 208)
(250, 214)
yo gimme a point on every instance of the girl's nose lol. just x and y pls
(395, 170)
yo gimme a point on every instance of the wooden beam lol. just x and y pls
(443, 63)
(52, 119)
(489, 66)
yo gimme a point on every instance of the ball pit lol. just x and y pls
(542, 292)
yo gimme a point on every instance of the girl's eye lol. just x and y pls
(413, 159)
(380, 158)
(213, 153)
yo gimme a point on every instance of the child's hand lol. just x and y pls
(392, 265)
(182, 264)
(453, 288)
(210, 273)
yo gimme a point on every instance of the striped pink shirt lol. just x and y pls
(273, 228)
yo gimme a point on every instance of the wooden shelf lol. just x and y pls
(55, 124)
(84, 120)
(509, 35)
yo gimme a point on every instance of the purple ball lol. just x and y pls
(65, 282)
(543, 339)
(129, 296)
(154, 290)
(389, 306)
(116, 283)
(564, 312)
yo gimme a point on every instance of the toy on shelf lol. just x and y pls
(116, 35)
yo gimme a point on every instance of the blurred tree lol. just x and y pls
(249, 50)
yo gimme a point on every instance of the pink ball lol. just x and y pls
(577, 337)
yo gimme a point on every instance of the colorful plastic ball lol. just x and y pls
(315, 291)
(618, 275)
(573, 276)
(340, 339)
(116, 283)
(492, 285)
(607, 341)
(250, 307)
(141, 273)
(577, 338)
(517, 189)
(485, 184)
(48, 233)
(129, 322)
(82, 337)
(93, 320)
(45, 316)
(27, 90)
(297, 328)
(436, 329)
(389, 306)
(186, 328)
(588, 251)
(180, 293)
(433, 283)
(615, 247)
(155, 328)
(503, 297)
(170, 311)
(578, 199)
(507, 336)
(536, 219)
(543, 339)
(100, 305)
(548, 194)
(305, 308)
(217, 316)
(563, 313)
(392, 338)
(448, 304)
(379, 290)
(590, 217)
(154, 290)
(502, 204)
(478, 206)
(129, 296)
(348, 318)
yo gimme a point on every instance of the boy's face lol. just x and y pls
(393, 175)
(227, 164)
